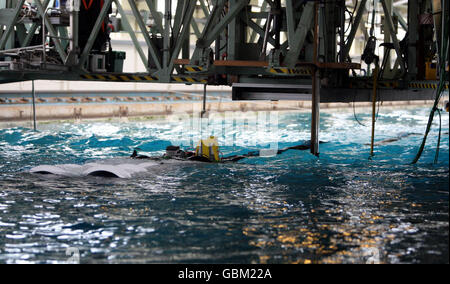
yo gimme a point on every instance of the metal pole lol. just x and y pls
(73, 31)
(34, 105)
(354, 29)
(374, 105)
(204, 101)
(266, 36)
(43, 40)
(342, 32)
(315, 119)
(166, 38)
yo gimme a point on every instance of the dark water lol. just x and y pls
(293, 208)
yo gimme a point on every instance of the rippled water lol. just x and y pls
(293, 208)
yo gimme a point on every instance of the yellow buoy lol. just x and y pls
(209, 148)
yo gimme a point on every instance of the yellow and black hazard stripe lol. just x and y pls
(140, 78)
(119, 78)
(194, 69)
(188, 80)
(425, 85)
(290, 71)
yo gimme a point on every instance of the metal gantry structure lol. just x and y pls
(265, 49)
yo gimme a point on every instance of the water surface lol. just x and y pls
(293, 208)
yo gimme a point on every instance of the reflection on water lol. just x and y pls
(292, 208)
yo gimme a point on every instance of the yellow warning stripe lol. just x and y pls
(89, 77)
(188, 80)
(290, 71)
(136, 78)
(178, 79)
(149, 78)
(426, 86)
(194, 69)
(125, 78)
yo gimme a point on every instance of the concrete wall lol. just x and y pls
(46, 112)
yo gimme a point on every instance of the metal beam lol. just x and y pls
(166, 33)
(154, 12)
(290, 20)
(10, 26)
(212, 18)
(32, 30)
(204, 8)
(258, 22)
(179, 16)
(51, 30)
(413, 31)
(315, 111)
(183, 34)
(126, 24)
(212, 29)
(395, 41)
(258, 30)
(101, 17)
(196, 29)
(402, 21)
(355, 27)
(298, 40)
(151, 46)
(232, 13)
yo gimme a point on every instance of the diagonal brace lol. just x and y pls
(101, 17)
(10, 27)
(212, 31)
(51, 31)
(148, 40)
(298, 40)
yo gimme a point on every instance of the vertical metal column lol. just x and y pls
(438, 19)
(315, 119)
(44, 39)
(34, 104)
(204, 101)
(266, 36)
(387, 8)
(374, 105)
(413, 31)
(166, 38)
(236, 33)
(73, 32)
(342, 32)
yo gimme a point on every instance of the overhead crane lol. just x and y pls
(265, 50)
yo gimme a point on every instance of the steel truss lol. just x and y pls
(238, 42)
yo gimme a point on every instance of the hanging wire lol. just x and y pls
(354, 112)
(439, 94)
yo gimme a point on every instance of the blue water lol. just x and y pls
(293, 208)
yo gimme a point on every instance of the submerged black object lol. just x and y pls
(175, 152)
(394, 139)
